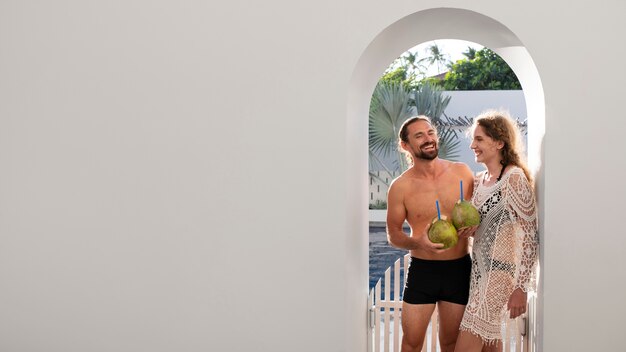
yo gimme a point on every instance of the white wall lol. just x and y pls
(470, 103)
(138, 210)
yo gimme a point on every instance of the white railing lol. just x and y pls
(385, 332)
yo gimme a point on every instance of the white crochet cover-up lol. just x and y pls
(504, 252)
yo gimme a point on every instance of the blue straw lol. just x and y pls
(461, 190)
(438, 212)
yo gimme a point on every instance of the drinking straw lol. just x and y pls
(438, 212)
(461, 190)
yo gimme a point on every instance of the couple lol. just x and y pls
(474, 293)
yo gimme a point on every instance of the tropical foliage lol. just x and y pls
(437, 57)
(399, 75)
(482, 70)
(389, 108)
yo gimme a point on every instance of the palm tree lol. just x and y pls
(389, 108)
(413, 64)
(470, 54)
(428, 100)
(437, 57)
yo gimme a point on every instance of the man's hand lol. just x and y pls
(424, 243)
(517, 303)
(466, 232)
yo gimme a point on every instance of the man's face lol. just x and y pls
(422, 141)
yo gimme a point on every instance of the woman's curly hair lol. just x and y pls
(500, 127)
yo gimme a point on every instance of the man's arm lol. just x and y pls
(396, 215)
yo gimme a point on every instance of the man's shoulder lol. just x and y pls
(457, 166)
(399, 186)
(401, 179)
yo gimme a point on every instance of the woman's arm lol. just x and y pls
(520, 198)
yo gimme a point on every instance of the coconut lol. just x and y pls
(443, 231)
(464, 214)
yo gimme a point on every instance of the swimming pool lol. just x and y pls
(381, 255)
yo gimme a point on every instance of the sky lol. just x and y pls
(452, 47)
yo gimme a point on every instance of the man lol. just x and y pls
(436, 277)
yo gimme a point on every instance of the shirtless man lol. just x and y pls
(436, 277)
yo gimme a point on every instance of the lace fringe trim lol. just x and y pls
(487, 341)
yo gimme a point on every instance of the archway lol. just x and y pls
(424, 26)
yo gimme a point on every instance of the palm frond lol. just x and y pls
(390, 107)
(448, 143)
(430, 101)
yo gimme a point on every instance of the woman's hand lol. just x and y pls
(466, 232)
(517, 303)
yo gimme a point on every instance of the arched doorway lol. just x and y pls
(423, 26)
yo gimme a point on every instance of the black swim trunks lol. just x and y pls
(431, 281)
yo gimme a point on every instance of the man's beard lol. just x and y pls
(429, 155)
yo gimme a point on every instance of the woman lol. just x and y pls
(504, 252)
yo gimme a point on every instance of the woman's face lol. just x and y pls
(485, 148)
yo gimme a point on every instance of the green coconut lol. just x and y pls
(443, 231)
(464, 214)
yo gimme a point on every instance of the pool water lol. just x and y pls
(381, 255)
